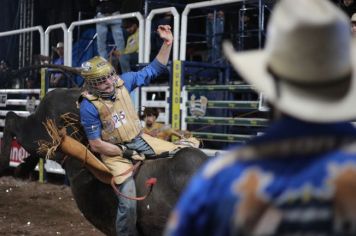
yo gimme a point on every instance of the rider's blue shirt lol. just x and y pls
(297, 179)
(89, 115)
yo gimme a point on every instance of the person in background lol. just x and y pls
(58, 79)
(353, 24)
(348, 6)
(129, 57)
(215, 22)
(5, 75)
(106, 8)
(299, 177)
(3, 66)
(156, 129)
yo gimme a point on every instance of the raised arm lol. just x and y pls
(155, 68)
(165, 33)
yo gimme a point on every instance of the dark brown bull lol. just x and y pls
(96, 200)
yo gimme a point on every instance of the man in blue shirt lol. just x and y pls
(112, 125)
(58, 79)
(299, 178)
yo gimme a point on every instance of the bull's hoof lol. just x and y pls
(4, 165)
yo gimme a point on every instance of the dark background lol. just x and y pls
(47, 12)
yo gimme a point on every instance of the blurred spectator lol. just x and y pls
(348, 6)
(3, 66)
(353, 24)
(299, 177)
(5, 75)
(156, 129)
(214, 34)
(106, 8)
(129, 57)
(58, 79)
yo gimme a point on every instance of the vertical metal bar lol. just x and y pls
(21, 36)
(78, 30)
(213, 40)
(184, 25)
(31, 24)
(176, 94)
(146, 8)
(147, 45)
(242, 26)
(25, 35)
(263, 20)
(260, 26)
(20, 26)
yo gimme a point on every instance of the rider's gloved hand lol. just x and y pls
(133, 155)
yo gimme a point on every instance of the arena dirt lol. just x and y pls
(33, 208)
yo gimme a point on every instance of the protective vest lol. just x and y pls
(118, 117)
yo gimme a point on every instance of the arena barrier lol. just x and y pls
(157, 96)
(138, 15)
(149, 95)
(65, 39)
(191, 6)
(23, 104)
(247, 107)
(26, 30)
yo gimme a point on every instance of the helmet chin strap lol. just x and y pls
(100, 94)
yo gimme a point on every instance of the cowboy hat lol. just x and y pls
(306, 69)
(353, 17)
(60, 45)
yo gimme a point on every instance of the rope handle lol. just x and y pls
(149, 184)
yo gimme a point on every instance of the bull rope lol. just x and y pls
(149, 183)
(49, 149)
(59, 138)
(46, 147)
(70, 120)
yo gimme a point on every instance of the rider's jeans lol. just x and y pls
(126, 211)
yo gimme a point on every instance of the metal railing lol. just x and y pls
(26, 30)
(175, 31)
(138, 15)
(65, 39)
(184, 25)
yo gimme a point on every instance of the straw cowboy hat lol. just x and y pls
(306, 69)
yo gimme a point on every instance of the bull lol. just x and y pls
(96, 200)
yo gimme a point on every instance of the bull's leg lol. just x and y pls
(6, 142)
(24, 169)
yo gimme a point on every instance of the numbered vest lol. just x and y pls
(118, 117)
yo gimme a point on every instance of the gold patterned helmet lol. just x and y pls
(95, 71)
